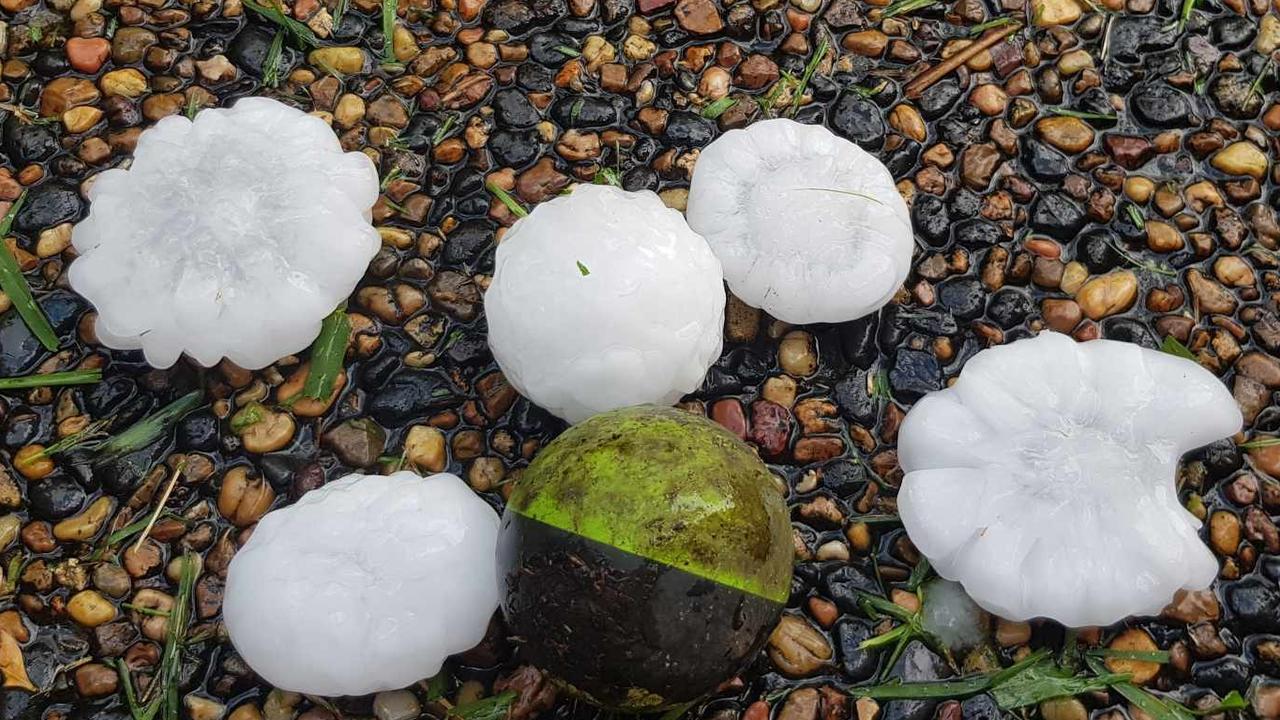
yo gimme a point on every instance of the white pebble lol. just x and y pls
(396, 705)
(809, 226)
(1043, 480)
(365, 584)
(231, 236)
(603, 299)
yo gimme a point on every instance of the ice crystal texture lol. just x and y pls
(951, 615)
(602, 299)
(809, 226)
(365, 584)
(230, 236)
(1043, 480)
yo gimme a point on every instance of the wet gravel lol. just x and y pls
(1108, 172)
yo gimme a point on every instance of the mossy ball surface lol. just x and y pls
(644, 556)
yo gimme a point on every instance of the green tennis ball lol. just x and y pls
(644, 556)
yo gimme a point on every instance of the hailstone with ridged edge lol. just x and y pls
(603, 299)
(232, 235)
(809, 226)
(365, 584)
(1043, 480)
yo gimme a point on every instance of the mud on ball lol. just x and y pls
(644, 557)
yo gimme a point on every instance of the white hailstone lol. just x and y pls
(365, 584)
(230, 236)
(602, 299)
(951, 615)
(1043, 480)
(809, 226)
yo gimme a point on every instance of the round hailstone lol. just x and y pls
(1043, 480)
(365, 584)
(602, 299)
(230, 236)
(809, 226)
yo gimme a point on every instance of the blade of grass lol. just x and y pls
(852, 193)
(389, 10)
(15, 285)
(1259, 443)
(327, 353)
(297, 30)
(568, 51)
(993, 23)
(1172, 346)
(718, 108)
(91, 431)
(1155, 656)
(809, 69)
(490, 708)
(902, 7)
(146, 430)
(1081, 114)
(505, 198)
(271, 63)
(54, 379)
(1184, 14)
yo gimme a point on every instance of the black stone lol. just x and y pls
(678, 636)
(198, 432)
(515, 148)
(963, 296)
(1221, 458)
(914, 373)
(411, 395)
(858, 340)
(1232, 32)
(545, 48)
(1043, 162)
(931, 219)
(1120, 78)
(977, 233)
(1254, 605)
(467, 242)
(854, 401)
(468, 349)
(917, 664)
(1057, 215)
(518, 16)
(688, 130)
(1222, 675)
(55, 497)
(937, 100)
(859, 120)
(844, 477)
(1096, 249)
(1160, 105)
(962, 127)
(19, 348)
(534, 78)
(48, 205)
(1132, 36)
(980, 707)
(857, 664)
(584, 112)
(513, 110)
(844, 586)
(28, 142)
(1130, 331)
(1009, 307)
(250, 48)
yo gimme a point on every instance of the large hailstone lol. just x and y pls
(602, 299)
(809, 226)
(1043, 480)
(365, 584)
(230, 236)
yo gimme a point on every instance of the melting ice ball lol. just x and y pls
(602, 299)
(809, 226)
(365, 584)
(1043, 479)
(232, 235)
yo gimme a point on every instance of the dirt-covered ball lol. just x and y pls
(644, 555)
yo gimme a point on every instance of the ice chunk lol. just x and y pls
(951, 616)
(1043, 480)
(602, 299)
(809, 226)
(365, 584)
(230, 236)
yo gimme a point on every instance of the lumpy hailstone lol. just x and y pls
(1043, 480)
(602, 299)
(365, 584)
(809, 226)
(230, 236)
